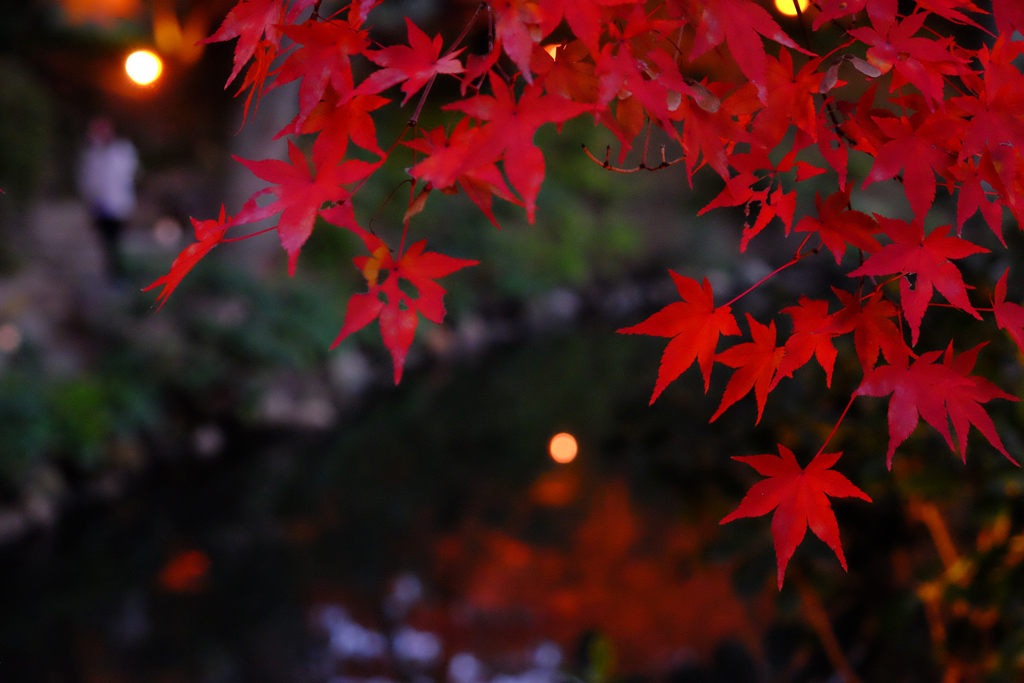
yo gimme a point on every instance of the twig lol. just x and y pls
(814, 613)
(643, 163)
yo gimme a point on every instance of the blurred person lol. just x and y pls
(106, 180)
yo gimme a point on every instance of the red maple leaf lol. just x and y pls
(755, 363)
(209, 233)
(950, 9)
(446, 165)
(1009, 316)
(813, 331)
(321, 58)
(919, 61)
(874, 332)
(517, 25)
(710, 135)
(301, 193)
(860, 128)
(694, 325)
(994, 111)
(927, 257)
(739, 23)
(939, 393)
(839, 226)
(799, 497)
(510, 129)
(832, 148)
(396, 310)
(739, 191)
(415, 65)
(790, 100)
(913, 149)
(248, 21)
(340, 122)
(582, 16)
(256, 76)
(1009, 16)
(975, 177)
(879, 10)
(618, 76)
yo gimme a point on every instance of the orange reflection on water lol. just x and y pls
(184, 573)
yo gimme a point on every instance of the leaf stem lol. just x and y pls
(792, 262)
(245, 237)
(836, 427)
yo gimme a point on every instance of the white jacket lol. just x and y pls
(106, 178)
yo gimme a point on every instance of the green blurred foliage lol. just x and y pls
(26, 132)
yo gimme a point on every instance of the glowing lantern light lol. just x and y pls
(143, 67)
(786, 6)
(563, 448)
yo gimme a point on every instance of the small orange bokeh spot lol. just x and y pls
(786, 6)
(563, 448)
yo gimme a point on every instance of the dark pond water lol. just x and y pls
(430, 537)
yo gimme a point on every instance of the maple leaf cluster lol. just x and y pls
(875, 78)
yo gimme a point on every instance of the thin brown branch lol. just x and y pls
(607, 165)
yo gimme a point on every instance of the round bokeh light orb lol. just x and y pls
(786, 6)
(143, 66)
(563, 448)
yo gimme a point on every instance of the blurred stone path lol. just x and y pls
(57, 281)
